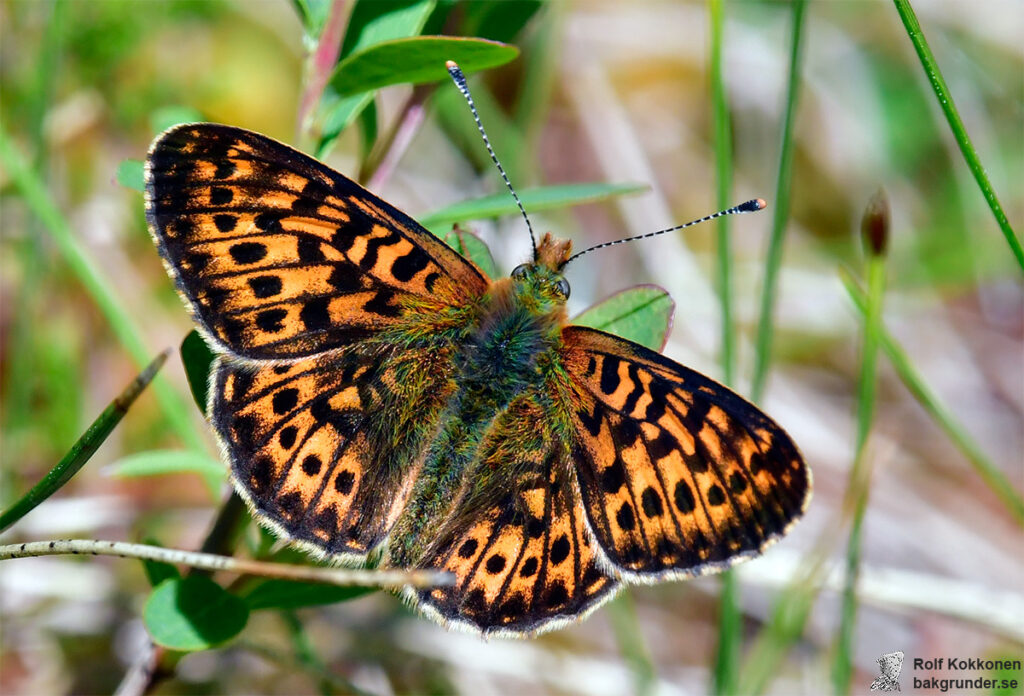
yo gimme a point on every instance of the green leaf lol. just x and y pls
(473, 248)
(544, 198)
(130, 174)
(642, 314)
(159, 462)
(169, 116)
(198, 359)
(339, 115)
(84, 447)
(193, 613)
(287, 594)
(313, 13)
(158, 571)
(367, 130)
(375, 21)
(371, 22)
(415, 61)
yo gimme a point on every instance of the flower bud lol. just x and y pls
(874, 226)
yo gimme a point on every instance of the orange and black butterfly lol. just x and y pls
(376, 391)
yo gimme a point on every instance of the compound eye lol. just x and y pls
(563, 288)
(520, 271)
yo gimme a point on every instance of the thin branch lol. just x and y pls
(209, 561)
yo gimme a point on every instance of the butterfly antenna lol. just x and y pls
(750, 206)
(460, 82)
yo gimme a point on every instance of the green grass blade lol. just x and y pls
(535, 199)
(793, 606)
(729, 619)
(84, 448)
(993, 477)
(942, 93)
(81, 264)
(773, 260)
(859, 486)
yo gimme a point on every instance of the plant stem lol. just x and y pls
(859, 486)
(212, 562)
(780, 215)
(729, 618)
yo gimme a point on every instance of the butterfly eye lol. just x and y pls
(563, 288)
(519, 271)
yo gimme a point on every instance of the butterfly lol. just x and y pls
(376, 393)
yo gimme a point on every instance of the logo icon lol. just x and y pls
(890, 664)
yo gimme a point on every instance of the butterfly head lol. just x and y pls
(543, 278)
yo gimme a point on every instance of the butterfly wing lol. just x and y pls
(524, 562)
(678, 475)
(327, 448)
(279, 256)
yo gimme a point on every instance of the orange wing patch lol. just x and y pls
(678, 474)
(520, 565)
(278, 256)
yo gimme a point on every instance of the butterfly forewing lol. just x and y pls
(279, 256)
(678, 474)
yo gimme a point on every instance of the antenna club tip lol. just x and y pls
(451, 65)
(751, 206)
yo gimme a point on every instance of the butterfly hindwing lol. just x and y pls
(678, 474)
(279, 256)
(327, 448)
(522, 556)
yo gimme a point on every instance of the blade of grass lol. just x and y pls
(993, 477)
(84, 447)
(773, 260)
(37, 198)
(942, 93)
(860, 474)
(729, 618)
(791, 609)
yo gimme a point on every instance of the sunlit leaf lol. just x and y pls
(642, 314)
(415, 61)
(130, 174)
(193, 613)
(473, 248)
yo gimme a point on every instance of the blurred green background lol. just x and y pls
(603, 91)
